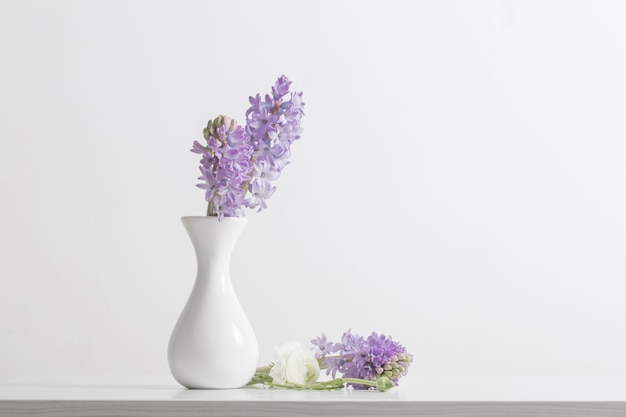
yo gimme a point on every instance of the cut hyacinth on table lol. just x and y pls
(373, 363)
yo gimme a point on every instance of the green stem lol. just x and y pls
(359, 381)
(382, 384)
(321, 360)
(210, 211)
(264, 369)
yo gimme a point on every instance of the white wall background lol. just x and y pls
(460, 183)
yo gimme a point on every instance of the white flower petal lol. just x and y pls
(294, 364)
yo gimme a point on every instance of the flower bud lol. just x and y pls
(221, 120)
(384, 384)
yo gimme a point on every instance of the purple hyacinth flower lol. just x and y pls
(369, 358)
(238, 164)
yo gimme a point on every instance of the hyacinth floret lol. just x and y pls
(371, 358)
(322, 347)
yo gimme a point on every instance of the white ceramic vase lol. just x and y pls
(213, 344)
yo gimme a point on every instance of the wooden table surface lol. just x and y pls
(155, 396)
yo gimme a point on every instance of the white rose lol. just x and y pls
(294, 364)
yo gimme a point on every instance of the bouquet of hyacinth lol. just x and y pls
(239, 164)
(375, 362)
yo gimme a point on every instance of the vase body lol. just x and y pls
(213, 344)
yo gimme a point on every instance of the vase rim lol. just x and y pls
(215, 218)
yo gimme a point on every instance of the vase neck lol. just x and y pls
(209, 235)
(213, 240)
